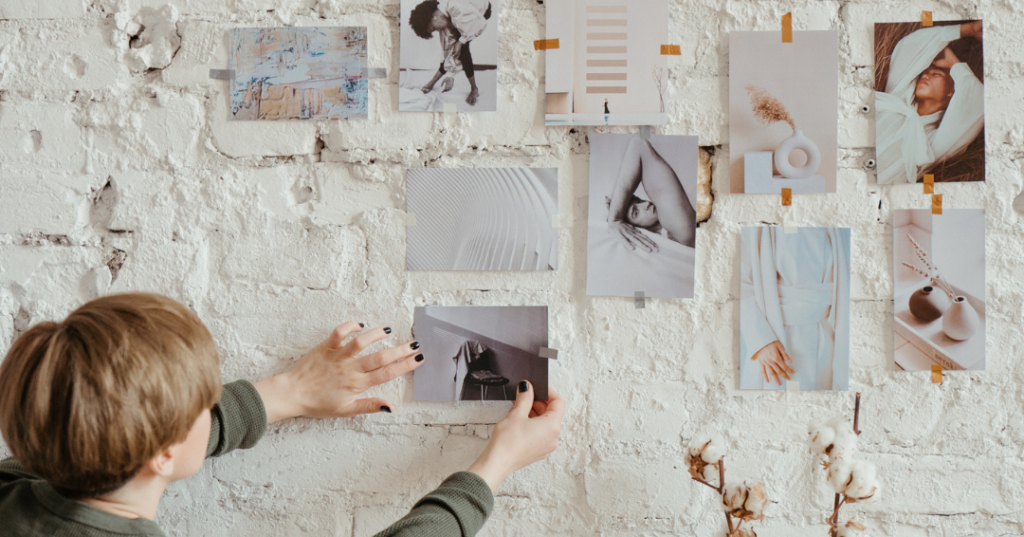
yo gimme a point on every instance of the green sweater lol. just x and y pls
(31, 507)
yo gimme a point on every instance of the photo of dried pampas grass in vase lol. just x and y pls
(768, 109)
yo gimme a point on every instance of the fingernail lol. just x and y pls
(415, 345)
(419, 357)
(387, 330)
(385, 409)
(361, 325)
(523, 386)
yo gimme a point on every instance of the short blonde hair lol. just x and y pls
(86, 402)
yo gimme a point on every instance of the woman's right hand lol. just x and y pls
(631, 236)
(971, 29)
(775, 362)
(946, 59)
(528, 433)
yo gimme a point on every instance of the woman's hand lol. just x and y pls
(447, 84)
(946, 59)
(528, 433)
(971, 29)
(631, 236)
(327, 380)
(775, 362)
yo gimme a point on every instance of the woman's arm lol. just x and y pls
(661, 183)
(914, 53)
(461, 505)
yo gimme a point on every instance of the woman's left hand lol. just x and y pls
(328, 380)
(971, 29)
(631, 236)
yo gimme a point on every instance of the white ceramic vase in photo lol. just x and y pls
(960, 321)
(797, 141)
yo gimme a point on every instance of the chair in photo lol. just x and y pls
(479, 373)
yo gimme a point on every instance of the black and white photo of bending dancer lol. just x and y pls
(930, 102)
(642, 235)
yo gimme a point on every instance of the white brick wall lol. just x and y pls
(276, 231)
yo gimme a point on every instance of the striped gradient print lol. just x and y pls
(606, 48)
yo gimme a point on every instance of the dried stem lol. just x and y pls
(856, 415)
(721, 491)
(706, 483)
(833, 521)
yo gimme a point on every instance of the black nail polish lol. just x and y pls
(415, 345)
(419, 357)
(385, 409)
(387, 330)
(361, 325)
(523, 386)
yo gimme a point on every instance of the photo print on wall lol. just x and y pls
(449, 55)
(480, 353)
(482, 218)
(783, 112)
(939, 289)
(641, 223)
(929, 102)
(795, 308)
(298, 73)
(608, 68)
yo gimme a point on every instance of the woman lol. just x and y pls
(457, 22)
(672, 215)
(933, 105)
(794, 308)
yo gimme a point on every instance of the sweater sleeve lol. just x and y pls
(964, 117)
(11, 470)
(239, 419)
(458, 508)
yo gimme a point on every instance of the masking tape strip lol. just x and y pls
(222, 74)
(926, 18)
(936, 374)
(787, 197)
(450, 108)
(410, 220)
(638, 300)
(545, 44)
(787, 28)
(792, 387)
(375, 72)
(929, 183)
(671, 50)
(790, 228)
(936, 203)
(551, 354)
(645, 132)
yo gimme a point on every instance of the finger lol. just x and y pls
(393, 371)
(385, 357)
(539, 407)
(365, 339)
(341, 333)
(785, 355)
(775, 376)
(635, 239)
(556, 405)
(764, 371)
(369, 405)
(625, 236)
(524, 400)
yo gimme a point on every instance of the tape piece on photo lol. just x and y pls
(936, 374)
(638, 300)
(936, 203)
(926, 18)
(450, 108)
(375, 72)
(787, 197)
(790, 228)
(222, 74)
(545, 44)
(792, 388)
(671, 50)
(550, 354)
(787, 28)
(645, 132)
(410, 219)
(929, 183)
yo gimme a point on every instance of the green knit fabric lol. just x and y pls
(30, 507)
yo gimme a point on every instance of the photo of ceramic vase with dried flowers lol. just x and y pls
(939, 289)
(783, 101)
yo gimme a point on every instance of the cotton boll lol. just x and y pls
(821, 437)
(839, 473)
(714, 450)
(849, 531)
(697, 444)
(744, 502)
(864, 484)
(711, 474)
(844, 444)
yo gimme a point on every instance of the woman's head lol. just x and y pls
(426, 19)
(640, 213)
(934, 84)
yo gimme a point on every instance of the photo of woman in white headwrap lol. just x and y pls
(795, 308)
(930, 103)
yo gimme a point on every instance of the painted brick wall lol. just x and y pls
(119, 171)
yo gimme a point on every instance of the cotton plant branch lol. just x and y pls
(854, 481)
(766, 107)
(931, 271)
(742, 502)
